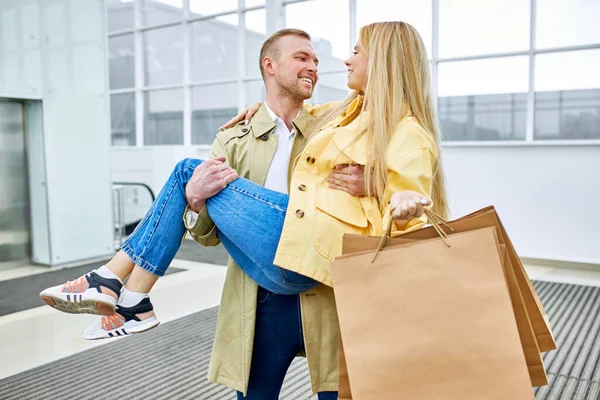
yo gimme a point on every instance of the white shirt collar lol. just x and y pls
(279, 122)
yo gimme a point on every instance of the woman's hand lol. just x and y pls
(348, 178)
(407, 205)
(243, 115)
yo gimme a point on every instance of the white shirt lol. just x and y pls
(277, 177)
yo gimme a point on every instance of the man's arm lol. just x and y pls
(199, 225)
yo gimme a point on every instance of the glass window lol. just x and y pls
(567, 70)
(483, 99)
(122, 119)
(331, 87)
(567, 23)
(163, 56)
(256, 33)
(473, 27)
(483, 117)
(207, 7)
(158, 12)
(315, 17)
(487, 76)
(567, 115)
(254, 3)
(119, 14)
(121, 60)
(163, 117)
(212, 106)
(418, 14)
(214, 49)
(255, 92)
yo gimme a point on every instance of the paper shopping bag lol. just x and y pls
(479, 219)
(439, 325)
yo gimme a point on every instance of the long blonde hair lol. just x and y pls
(398, 84)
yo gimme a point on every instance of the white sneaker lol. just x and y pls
(84, 295)
(122, 322)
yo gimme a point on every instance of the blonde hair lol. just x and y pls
(397, 84)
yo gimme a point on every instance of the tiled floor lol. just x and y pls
(40, 335)
(37, 336)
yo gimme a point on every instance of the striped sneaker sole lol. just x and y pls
(129, 329)
(89, 302)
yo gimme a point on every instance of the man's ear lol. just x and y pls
(267, 64)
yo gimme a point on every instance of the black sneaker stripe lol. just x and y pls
(68, 297)
(118, 333)
(110, 334)
(124, 331)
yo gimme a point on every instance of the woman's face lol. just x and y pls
(357, 69)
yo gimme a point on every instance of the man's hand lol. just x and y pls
(408, 204)
(209, 178)
(349, 178)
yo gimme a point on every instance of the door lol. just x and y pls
(15, 246)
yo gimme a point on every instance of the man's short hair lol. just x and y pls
(270, 47)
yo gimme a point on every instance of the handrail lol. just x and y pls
(121, 228)
(137, 184)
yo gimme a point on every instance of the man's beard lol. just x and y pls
(293, 90)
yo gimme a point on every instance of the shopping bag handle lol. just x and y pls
(435, 220)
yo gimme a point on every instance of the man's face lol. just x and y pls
(296, 67)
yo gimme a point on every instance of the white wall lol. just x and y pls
(546, 196)
(55, 50)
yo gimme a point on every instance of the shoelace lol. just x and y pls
(112, 321)
(79, 285)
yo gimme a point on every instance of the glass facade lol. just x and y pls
(180, 68)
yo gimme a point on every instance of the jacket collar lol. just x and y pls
(353, 111)
(262, 122)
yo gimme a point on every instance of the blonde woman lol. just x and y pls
(285, 243)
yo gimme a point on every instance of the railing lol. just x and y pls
(128, 209)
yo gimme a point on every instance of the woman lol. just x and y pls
(387, 125)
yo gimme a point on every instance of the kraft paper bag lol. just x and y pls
(441, 326)
(479, 219)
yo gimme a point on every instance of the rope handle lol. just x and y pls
(436, 222)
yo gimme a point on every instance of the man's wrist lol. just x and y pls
(197, 206)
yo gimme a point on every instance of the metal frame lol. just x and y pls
(275, 19)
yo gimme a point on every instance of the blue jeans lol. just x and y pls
(249, 219)
(277, 339)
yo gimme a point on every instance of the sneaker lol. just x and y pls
(124, 321)
(85, 295)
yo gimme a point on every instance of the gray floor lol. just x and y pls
(176, 360)
(23, 293)
(192, 251)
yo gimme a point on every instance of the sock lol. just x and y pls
(130, 299)
(107, 273)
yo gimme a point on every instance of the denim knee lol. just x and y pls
(188, 163)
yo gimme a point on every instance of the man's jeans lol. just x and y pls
(249, 219)
(277, 340)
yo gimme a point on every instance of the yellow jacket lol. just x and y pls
(410, 151)
(318, 217)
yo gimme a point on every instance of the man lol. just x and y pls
(259, 332)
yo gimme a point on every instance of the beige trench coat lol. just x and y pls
(247, 152)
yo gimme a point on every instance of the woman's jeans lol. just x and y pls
(249, 219)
